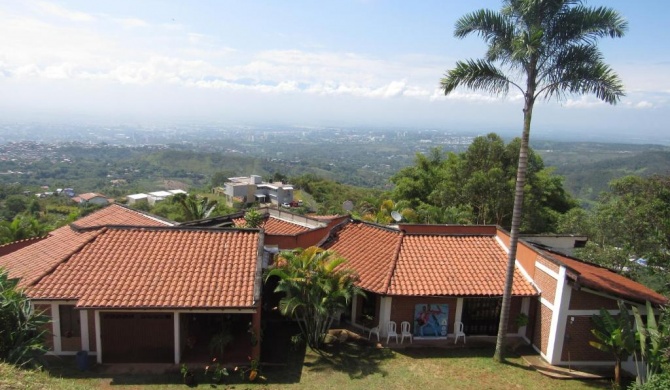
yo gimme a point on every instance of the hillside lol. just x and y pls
(589, 167)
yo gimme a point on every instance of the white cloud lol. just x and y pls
(56, 10)
(131, 22)
(585, 101)
(644, 104)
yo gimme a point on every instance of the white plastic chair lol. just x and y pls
(391, 331)
(458, 328)
(405, 331)
(374, 330)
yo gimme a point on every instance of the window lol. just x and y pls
(69, 321)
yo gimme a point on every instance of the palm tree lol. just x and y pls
(195, 207)
(545, 49)
(316, 286)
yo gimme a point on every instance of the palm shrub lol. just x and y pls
(615, 335)
(652, 338)
(22, 329)
(316, 286)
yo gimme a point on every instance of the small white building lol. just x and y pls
(137, 198)
(252, 189)
(158, 196)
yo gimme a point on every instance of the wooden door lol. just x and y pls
(137, 337)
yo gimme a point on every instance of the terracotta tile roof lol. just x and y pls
(118, 215)
(454, 265)
(91, 195)
(273, 225)
(33, 261)
(277, 226)
(394, 263)
(371, 251)
(16, 245)
(159, 267)
(325, 218)
(605, 280)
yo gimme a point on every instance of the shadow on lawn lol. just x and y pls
(357, 359)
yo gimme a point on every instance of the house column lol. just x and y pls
(384, 313)
(559, 318)
(256, 334)
(98, 338)
(177, 338)
(55, 316)
(83, 324)
(354, 308)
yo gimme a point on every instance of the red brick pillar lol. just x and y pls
(256, 336)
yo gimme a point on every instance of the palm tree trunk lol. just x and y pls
(514, 234)
(617, 373)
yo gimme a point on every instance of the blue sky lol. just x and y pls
(305, 63)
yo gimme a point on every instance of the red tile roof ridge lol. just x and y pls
(76, 250)
(127, 209)
(376, 225)
(146, 214)
(395, 262)
(24, 240)
(164, 228)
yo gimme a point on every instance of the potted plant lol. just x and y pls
(187, 374)
(522, 320)
(218, 372)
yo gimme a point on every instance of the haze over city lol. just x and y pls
(299, 63)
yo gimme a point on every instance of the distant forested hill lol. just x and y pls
(586, 166)
(589, 167)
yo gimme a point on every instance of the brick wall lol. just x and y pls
(576, 344)
(542, 327)
(402, 309)
(71, 344)
(548, 264)
(583, 300)
(48, 336)
(547, 284)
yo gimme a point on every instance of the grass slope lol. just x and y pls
(350, 366)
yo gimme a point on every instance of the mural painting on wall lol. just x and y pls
(431, 320)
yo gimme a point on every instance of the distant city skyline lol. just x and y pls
(298, 63)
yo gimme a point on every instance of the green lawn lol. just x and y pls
(347, 366)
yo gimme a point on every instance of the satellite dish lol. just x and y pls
(348, 205)
(396, 216)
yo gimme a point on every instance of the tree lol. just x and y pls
(545, 49)
(477, 186)
(14, 205)
(631, 221)
(317, 286)
(253, 219)
(615, 335)
(22, 329)
(21, 228)
(195, 207)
